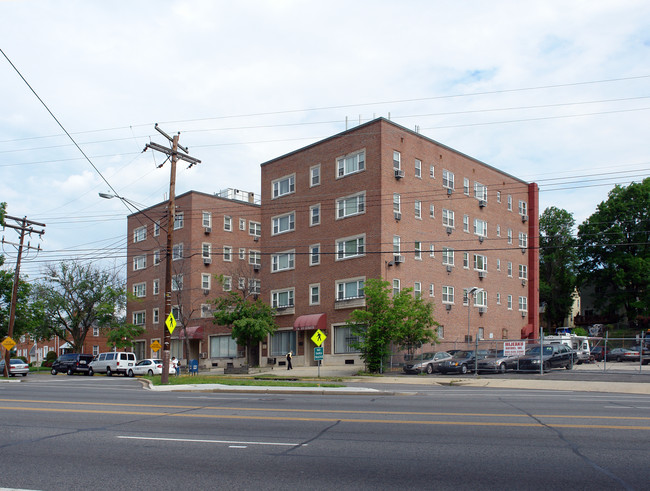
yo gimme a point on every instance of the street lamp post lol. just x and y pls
(472, 291)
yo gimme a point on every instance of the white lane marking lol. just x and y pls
(228, 442)
(237, 446)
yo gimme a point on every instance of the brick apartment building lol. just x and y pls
(378, 200)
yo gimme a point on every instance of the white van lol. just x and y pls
(113, 362)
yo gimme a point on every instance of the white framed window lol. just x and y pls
(242, 224)
(396, 286)
(510, 236)
(206, 280)
(509, 300)
(523, 304)
(418, 168)
(417, 250)
(241, 283)
(466, 186)
(417, 289)
(314, 294)
(465, 297)
(314, 175)
(350, 288)
(397, 160)
(523, 208)
(156, 257)
(227, 253)
(448, 218)
(498, 264)
(480, 227)
(397, 244)
(227, 283)
(351, 205)
(283, 186)
(351, 163)
(95, 333)
(432, 290)
(447, 294)
(242, 253)
(140, 290)
(283, 261)
(447, 179)
(206, 219)
(509, 269)
(447, 256)
(498, 298)
(177, 282)
(179, 220)
(350, 247)
(139, 262)
(465, 260)
(432, 172)
(314, 215)
(254, 286)
(498, 196)
(254, 228)
(480, 298)
(139, 318)
(206, 250)
(523, 240)
(480, 191)
(466, 223)
(480, 262)
(155, 287)
(283, 223)
(254, 257)
(177, 252)
(176, 312)
(223, 347)
(205, 310)
(140, 234)
(156, 316)
(432, 250)
(397, 199)
(523, 272)
(432, 211)
(509, 203)
(418, 209)
(441, 332)
(227, 223)
(345, 339)
(314, 254)
(481, 333)
(282, 299)
(498, 230)
(156, 228)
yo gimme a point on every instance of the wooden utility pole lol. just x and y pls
(25, 227)
(173, 155)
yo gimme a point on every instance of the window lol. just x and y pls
(447, 179)
(156, 287)
(314, 294)
(139, 234)
(396, 286)
(447, 294)
(282, 261)
(480, 262)
(314, 215)
(523, 272)
(227, 253)
(176, 312)
(227, 283)
(432, 250)
(509, 236)
(418, 209)
(140, 290)
(314, 174)
(418, 168)
(396, 244)
(480, 191)
(498, 196)
(314, 254)
(466, 223)
(351, 163)
(179, 220)
(205, 310)
(344, 340)
(206, 250)
(223, 347)
(254, 228)
(523, 304)
(481, 333)
(139, 262)
(205, 281)
(254, 286)
(242, 253)
(417, 289)
(397, 160)
(523, 240)
(95, 332)
(441, 332)
(465, 260)
(177, 282)
(350, 205)
(283, 186)
(432, 290)
(156, 228)
(206, 219)
(242, 224)
(498, 264)
(480, 298)
(156, 257)
(417, 250)
(139, 318)
(509, 302)
(480, 227)
(465, 297)
(447, 218)
(447, 256)
(523, 208)
(432, 211)
(254, 258)
(498, 230)
(283, 223)
(177, 252)
(509, 269)
(282, 299)
(282, 342)
(432, 172)
(227, 223)
(350, 247)
(241, 283)
(396, 203)
(466, 186)
(509, 203)
(348, 289)
(498, 299)
(156, 316)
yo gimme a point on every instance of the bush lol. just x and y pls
(50, 357)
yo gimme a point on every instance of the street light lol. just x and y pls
(472, 291)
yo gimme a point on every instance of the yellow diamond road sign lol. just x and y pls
(155, 346)
(171, 323)
(8, 343)
(319, 337)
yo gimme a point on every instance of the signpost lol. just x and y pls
(319, 338)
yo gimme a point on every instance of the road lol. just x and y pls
(108, 433)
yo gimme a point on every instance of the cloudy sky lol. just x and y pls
(550, 91)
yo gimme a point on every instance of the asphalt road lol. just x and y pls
(108, 433)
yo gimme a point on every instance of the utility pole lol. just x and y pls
(173, 155)
(25, 227)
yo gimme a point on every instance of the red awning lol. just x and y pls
(527, 332)
(193, 332)
(309, 322)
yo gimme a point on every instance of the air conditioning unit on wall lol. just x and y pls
(399, 173)
(203, 355)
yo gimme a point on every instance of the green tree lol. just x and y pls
(3, 210)
(76, 297)
(558, 261)
(615, 250)
(28, 313)
(251, 320)
(402, 318)
(122, 336)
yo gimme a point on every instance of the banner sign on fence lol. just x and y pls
(514, 348)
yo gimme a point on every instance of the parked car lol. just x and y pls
(72, 363)
(16, 367)
(461, 362)
(600, 353)
(426, 362)
(646, 354)
(623, 354)
(496, 361)
(113, 362)
(552, 356)
(150, 367)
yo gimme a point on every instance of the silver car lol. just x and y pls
(497, 362)
(16, 367)
(426, 362)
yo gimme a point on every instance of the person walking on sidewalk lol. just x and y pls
(289, 367)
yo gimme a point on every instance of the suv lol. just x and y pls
(72, 363)
(113, 362)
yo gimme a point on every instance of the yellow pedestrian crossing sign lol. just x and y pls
(319, 337)
(170, 323)
(8, 343)
(155, 346)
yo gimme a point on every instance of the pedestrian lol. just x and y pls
(176, 366)
(289, 367)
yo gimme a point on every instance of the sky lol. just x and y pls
(549, 91)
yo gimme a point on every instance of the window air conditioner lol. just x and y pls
(523, 313)
(256, 238)
(448, 269)
(449, 230)
(206, 292)
(523, 282)
(399, 173)
(482, 310)
(207, 260)
(481, 274)
(524, 218)
(203, 355)
(481, 238)
(449, 191)
(448, 306)
(208, 230)
(398, 259)
(398, 215)
(482, 203)
(256, 267)
(523, 250)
